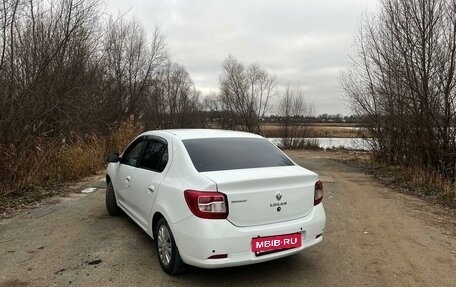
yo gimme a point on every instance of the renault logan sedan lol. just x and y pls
(214, 198)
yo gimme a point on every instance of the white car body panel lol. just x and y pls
(251, 193)
(223, 237)
(196, 238)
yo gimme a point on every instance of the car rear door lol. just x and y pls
(149, 174)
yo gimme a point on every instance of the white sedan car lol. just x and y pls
(213, 198)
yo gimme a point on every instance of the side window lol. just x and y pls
(155, 156)
(131, 155)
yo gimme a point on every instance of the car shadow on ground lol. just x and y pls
(273, 272)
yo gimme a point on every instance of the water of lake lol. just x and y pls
(348, 143)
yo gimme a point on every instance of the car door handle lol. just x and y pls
(151, 188)
(127, 179)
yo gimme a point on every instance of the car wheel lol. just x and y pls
(167, 252)
(111, 202)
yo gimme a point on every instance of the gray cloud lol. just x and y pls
(302, 42)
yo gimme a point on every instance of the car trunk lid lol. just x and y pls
(266, 195)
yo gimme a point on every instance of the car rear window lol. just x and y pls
(212, 154)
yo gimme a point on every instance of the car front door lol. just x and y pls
(149, 174)
(125, 172)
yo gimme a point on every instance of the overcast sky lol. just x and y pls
(301, 42)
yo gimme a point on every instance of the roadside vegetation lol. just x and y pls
(76, 84)
(430, 185)
(402, 86)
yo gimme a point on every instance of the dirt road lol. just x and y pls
(374, 237)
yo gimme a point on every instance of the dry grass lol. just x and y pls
(34, 172)
(413, 180)
(315, 131)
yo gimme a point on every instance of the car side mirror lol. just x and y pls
(113, 157)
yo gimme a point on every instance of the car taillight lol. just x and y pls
(318, 196)
(207, 204)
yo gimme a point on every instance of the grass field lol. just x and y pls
(317, 130)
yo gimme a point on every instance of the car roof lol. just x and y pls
(184, 134)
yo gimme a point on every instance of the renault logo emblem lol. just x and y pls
(278, 195)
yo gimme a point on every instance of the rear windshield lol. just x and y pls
(212, 154)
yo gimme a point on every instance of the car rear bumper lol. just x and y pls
(198, 239)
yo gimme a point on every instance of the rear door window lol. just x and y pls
(155, 156)
(212, 154)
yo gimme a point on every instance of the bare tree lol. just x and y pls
(292, 108)
(71, 75)
(401, 82)
(132, 61)
(218, 116)
(175, 99)
(245, 93)
(46, 49)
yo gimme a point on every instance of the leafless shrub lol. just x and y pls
(174, 99)
(48, 81)
(402, 83)
(75, 84)
(245, 94)
(133, 63)
(293, 106)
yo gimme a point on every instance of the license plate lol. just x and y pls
(270, 243)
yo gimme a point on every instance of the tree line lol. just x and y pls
(74, 79)
(64, 67)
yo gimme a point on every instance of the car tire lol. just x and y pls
(167, 252)
(111, 202)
